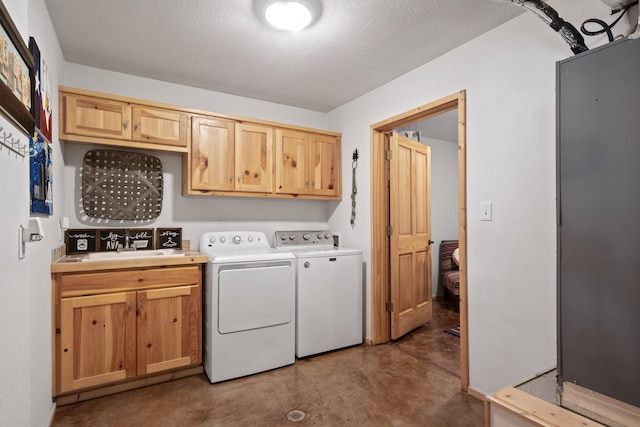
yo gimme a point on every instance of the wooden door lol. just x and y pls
(168, 328)
(96, 117)
(97, 340)
(212, 154)
(292, 148)
(254, 158)
(159, 126)
(410, 254)
(324, 164)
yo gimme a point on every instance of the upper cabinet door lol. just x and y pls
(212, 154)
(160, 126)
(254, 158)
(96, 117)
(292, 171)
(324, 164)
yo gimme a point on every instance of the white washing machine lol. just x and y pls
(249, 305)
(329, 291)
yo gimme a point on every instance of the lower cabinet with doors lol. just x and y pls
(116, 326)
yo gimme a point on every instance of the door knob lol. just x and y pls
(430, 242)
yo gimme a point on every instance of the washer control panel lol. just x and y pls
(304, 238)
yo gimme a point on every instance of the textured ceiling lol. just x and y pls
(222, 45)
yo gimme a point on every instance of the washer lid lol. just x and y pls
(331, 252)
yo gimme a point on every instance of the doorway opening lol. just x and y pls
(380, 240)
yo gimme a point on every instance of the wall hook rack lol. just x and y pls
(12, 143)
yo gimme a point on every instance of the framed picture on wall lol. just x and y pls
(40, 175)
(41, 91)
(16, 74)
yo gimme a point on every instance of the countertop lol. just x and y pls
(72, 263)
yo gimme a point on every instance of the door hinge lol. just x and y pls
(388, 155)
(389, 306)
(389, 230)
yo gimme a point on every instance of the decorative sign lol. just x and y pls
(16, 71)
(141, 237)
(81, 241)
(169, 238)
(40, 175)
(41, 91)
(112, 239)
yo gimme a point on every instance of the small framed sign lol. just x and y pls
(111, 239)
(142, 238)
(169, 238)
(81, 241)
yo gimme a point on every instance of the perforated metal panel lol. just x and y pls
(121, 185)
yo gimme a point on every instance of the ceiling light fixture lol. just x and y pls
(288, 15)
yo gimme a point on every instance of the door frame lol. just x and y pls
(380, 277)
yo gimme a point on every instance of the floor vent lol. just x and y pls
(295, 415)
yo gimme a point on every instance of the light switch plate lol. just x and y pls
(485, 211)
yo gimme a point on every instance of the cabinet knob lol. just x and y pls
(230, 179)
(125, 125)
(238, 180)
(136, 126)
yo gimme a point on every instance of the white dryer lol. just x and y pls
(249, 305)
(329, 291)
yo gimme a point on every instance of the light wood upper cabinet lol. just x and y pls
(325, 168)
(254, 158)
(222, 155)
(212, 156)
(108, 119)
(307, 163)
(95, 117)
(159, 126)
(292, 161)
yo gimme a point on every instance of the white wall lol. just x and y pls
(509, 75)
(444, 199)
(25, 303)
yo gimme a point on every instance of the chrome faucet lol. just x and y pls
(127, 246)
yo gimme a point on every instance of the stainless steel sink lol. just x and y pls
(100, 256)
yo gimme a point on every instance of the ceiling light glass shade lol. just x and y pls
(288, 15)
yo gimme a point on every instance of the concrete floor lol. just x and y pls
(413, 381)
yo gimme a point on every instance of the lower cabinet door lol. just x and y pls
(97, 340)
(168, 328)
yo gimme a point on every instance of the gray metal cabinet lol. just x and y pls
(598, 188)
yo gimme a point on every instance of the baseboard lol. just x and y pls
(130, 385)
(475, 393)
(52, 414)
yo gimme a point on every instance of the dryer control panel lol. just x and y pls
(233, 240)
